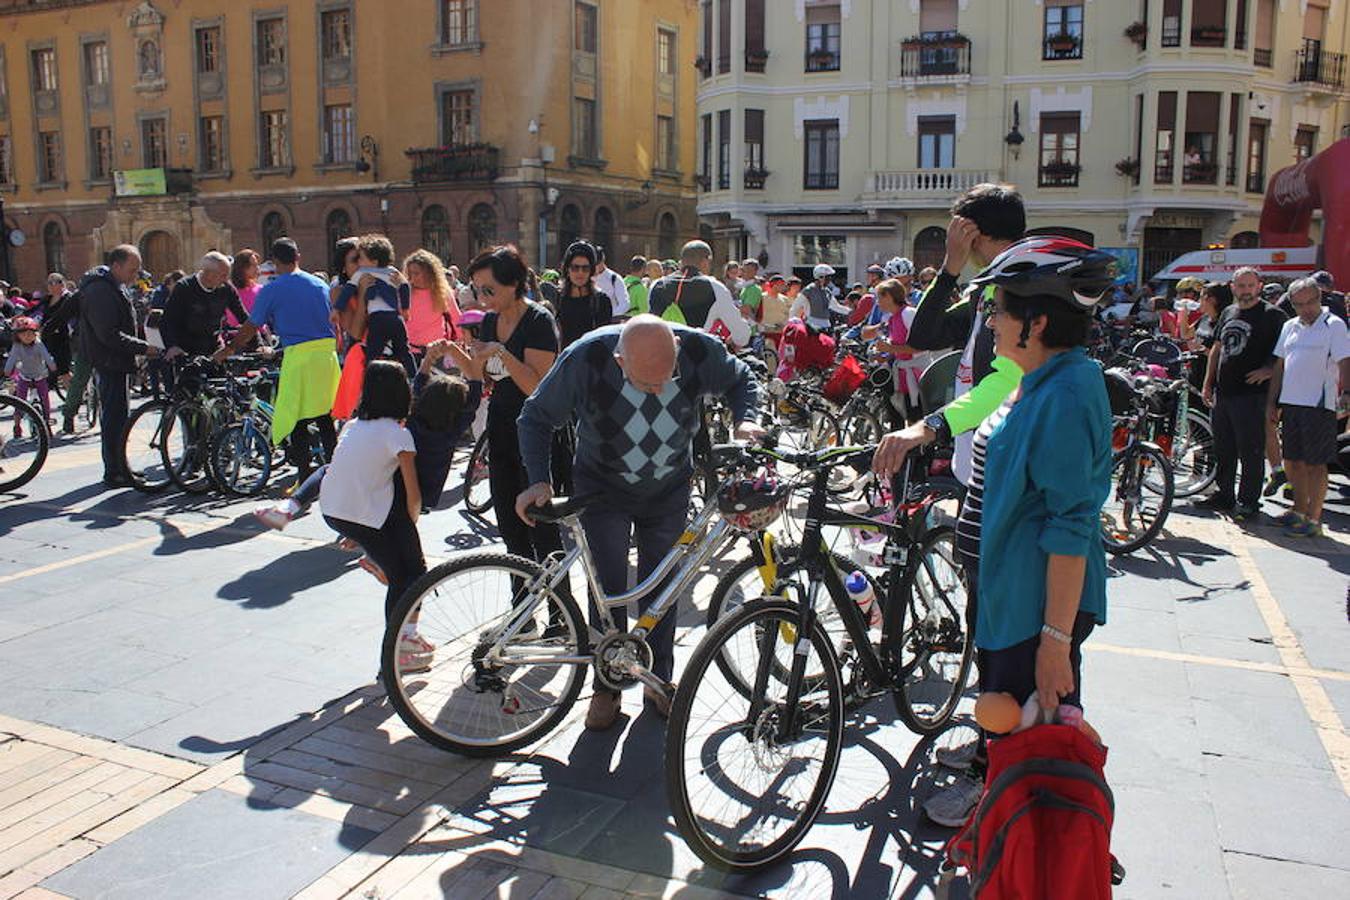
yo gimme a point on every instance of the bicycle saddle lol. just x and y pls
(560, 508)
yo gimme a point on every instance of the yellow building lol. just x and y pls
(450, 124)
(841, 130)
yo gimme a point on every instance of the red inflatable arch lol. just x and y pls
(1293, 194)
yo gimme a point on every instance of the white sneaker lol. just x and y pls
(954, 804)
(274, 516)
(958, 757)
(415, 655)
(415, 643)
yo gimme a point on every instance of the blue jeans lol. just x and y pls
(112, 392)
(653, 524)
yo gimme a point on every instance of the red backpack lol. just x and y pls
(1043, 826)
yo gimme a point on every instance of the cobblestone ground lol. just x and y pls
(188, 708)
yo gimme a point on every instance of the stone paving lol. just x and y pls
(188, 708)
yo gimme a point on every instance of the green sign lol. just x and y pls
(139, 182)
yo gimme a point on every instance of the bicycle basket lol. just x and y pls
(752, 503)
(843, 381)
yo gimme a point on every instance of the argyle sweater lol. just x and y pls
(639, 443)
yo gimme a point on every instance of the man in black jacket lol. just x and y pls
(108, 340)
(193, 315)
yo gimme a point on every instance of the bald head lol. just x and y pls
(646, 352)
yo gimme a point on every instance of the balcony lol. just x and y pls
(753, 179)
(1200, 173)
(462, 162)
(1209, 36)
(1064, 45)
(935, 59)
(820, 59)
(755, 59)
(1263, 57)
(934, 187)
(1058, 174)
(1318, 68)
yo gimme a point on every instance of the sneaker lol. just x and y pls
(1216, 503)
(274, 516)
(1274, 482)
(413, 663)
(954, 804)
(1244, 513)
(1304, 528)
(1289, 519)
(1288, 492)
(415, 643)
(604, 710)
(958, 758)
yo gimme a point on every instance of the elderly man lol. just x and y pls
(107, 339)
(193, 315)
(634, 391)
(1311, 379)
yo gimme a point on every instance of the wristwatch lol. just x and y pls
(937, 423)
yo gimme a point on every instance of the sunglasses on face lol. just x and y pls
(579, 267)
(486, 290)
(989, 307)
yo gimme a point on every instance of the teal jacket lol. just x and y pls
(1047, 474)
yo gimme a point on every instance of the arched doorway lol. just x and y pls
(1245, 240)
(337, 226)
(273, 227)
(930, 247)
(667, 234)
(54, 246)
(436, 232)
(159, 253)
(482, 228)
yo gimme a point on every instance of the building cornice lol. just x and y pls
(21, 7)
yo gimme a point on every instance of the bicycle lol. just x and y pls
(512, 645)
(242, 456)
(1140, 471)
(771, 676)
(24, 452)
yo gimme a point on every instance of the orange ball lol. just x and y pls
(997, 713)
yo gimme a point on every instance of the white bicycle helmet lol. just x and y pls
(898, 266)
(1052, 267)
(822, 271)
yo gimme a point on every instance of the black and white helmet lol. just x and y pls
(898, 266)
(1052, 267)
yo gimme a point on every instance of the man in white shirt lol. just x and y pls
(610, 283)
(1311, 379)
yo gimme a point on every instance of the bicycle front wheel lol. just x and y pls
(747, 776)
(143, 447)
(1194, 463)
(460, 688)
(932, 644)
(1140, 499)
(24, 442)
(477, 489)
(241, 460)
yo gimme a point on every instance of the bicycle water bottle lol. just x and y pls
(860, 589)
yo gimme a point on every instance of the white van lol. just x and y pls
(1274, 263)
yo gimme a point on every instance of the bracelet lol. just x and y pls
(1053, 632)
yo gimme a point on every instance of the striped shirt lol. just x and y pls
(968, 525)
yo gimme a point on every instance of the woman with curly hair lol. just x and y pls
(434, 314)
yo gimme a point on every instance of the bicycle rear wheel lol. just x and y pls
(1140, 499)
(24, 442)
(1194, 463)
(142, 447)
(458, 697)
(477, 490)
(241, 460)
(186, 446)
(743, 786)
(932, 643)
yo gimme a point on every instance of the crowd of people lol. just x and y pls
(589, 380)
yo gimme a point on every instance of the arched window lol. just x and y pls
(273, 227)
(482, 227)
(436, 232)
(159, 253)
(1073, 234)
(336, 227)
(604, 231)
(930, 246)
(668, 235)
(569, 226)
(54, 245)
(1245, 240)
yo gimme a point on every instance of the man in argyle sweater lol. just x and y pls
(634, 391)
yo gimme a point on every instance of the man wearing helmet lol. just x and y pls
(635, 392)
(819, 297)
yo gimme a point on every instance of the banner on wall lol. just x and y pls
(139, 182)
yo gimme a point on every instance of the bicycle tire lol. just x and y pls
(1123, 480)
(90, 406)
(12, 409)
(476, 474)
(147, 472)
(418, 596)
(189, 471)
(1195, 465)
(228, 451)
(775, 615)
(905, 620)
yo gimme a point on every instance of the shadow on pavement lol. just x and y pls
(281, 579)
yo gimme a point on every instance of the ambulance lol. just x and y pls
(1283, 264)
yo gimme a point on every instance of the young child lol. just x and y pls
(31, 364)
(388, 299)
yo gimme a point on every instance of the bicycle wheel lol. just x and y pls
(860, 428)
(1134, 513)
(932, 645)
(1194, 464)
(477, 490)
(460, 699)
(24, 442)
(89, 409)
(743, 787)
(241, 460)
(186, 446)
(142, 447)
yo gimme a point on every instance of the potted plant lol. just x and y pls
(820, 57)
(1059, 171)
(755, 58)
(1063, 42)
(1137, 32)
(1128, 167)
(703, 64)
(754, 178)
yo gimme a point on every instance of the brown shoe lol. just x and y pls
(659, 700)
(604, 710)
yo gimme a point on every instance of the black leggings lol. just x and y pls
(299, 451)
(395, 546)
(507, 479)
(386, 329)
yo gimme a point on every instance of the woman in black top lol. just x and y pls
(518, 343)
(1214, 299)
(581, 308)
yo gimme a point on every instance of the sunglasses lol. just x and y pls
(579, 267)
(486, 290)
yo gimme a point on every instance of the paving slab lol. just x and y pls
(1260, 878)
